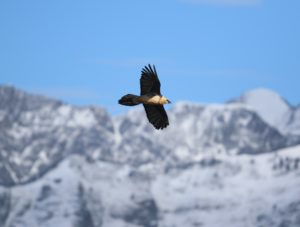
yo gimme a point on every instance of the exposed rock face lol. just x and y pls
(37, 133)
(273, 109)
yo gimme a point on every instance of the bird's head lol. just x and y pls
(164, 100)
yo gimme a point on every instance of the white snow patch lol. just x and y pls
(268, 104)
(83, 118)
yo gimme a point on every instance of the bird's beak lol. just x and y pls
(168, 101)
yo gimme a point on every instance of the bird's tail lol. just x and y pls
(129, 100)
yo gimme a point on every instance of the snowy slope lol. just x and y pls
(273, 109)
(80, 193)
(261, 190)
(244, 190)
(37, 133)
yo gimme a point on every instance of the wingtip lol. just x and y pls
(149, 67)
(161, 127)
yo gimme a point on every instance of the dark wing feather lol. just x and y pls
(149, 80)
(157, 116)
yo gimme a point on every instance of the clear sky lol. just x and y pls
(92, 52)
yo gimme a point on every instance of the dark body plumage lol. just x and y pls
(150, 97)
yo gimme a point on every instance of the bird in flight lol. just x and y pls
(150, 97)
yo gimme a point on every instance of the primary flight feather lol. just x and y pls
(150, 97)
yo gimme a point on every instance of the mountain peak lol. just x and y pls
(11, 96)
(262, 94)
(267, 103)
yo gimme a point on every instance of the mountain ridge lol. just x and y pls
(38, 132)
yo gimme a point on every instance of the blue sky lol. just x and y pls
(92, 52)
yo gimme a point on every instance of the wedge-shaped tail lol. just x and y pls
(129, 100)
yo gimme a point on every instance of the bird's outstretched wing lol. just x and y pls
(149, 80)
(157, 116)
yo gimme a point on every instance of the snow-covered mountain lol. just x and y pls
(37, 133)
(275, 110)
(78, 166)
(198, 129)
(243, 190)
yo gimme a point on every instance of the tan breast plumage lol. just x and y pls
(152, 100)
